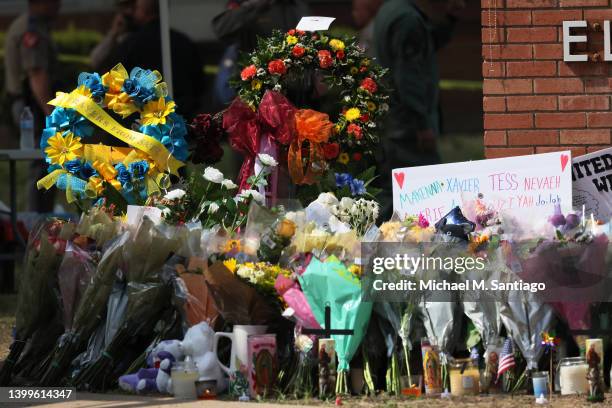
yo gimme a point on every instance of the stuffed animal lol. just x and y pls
(140, 382)
(198, 344)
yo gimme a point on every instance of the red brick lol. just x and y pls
(507, 52)
(583, 3)
(495, 138)
(558, 85)
(533, 137)
(494, 104)
(531, 69)
(576, 151)
(584, 103)
(490, 35)
(600, 119)
(505, 18)
(508, 121)
(582, 68)
(531, 3)
(492, 69)
(531, 103)
(497, 152)
(560, 120)
(548, 51)
(598, 85)
(593, 149)
(532, 35)
(555, 17)
(507, 86)
(585, 136)
(598, 15)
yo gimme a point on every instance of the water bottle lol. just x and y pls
(26, 123)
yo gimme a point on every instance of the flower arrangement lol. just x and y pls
(131, 174)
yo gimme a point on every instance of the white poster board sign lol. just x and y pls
(592, 176)
(517, 185)
(313, 23)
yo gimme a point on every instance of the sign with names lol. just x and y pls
(315, 23)
(592, 176)
(523, 184)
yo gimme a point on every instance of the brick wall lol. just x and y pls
(533, 101)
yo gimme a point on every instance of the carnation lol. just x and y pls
(277, 67)
(248, 73)
(369, 85)
(229, 184)
(213, 175)
(175, 194)
(267, 160)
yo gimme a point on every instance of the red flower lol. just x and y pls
(331, 151)
(277, 67)
(340, 54)
(363, 69)
(298, 51)
(325, 59)
(357, 156)
(365, 117)
(300, 32)
(248, 73)
(355, 130)
(369, 85)
(291, 32)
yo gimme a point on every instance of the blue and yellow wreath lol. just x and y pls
(156, 139)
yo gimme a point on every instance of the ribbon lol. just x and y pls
(95, 114)
(314, 128)
(74, 186)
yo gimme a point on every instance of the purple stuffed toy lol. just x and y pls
(156, 378)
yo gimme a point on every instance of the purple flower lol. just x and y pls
(343, 179)
(358, 187)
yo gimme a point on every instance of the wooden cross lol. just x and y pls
(327, 331)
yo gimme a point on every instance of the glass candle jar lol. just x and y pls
(573, 376)
(540, 383)
(432, 369)
(464, 377)
(184, 376)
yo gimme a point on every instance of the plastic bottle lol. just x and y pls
(26, 124)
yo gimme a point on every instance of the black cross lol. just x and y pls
(327, 331)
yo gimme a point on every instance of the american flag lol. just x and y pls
(506, 360)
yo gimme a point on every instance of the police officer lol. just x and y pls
(407, 36)
(30, 64)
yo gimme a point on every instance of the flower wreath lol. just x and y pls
(346, 68)
(157, 149)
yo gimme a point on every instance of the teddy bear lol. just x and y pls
(198, 345)
(156, 377)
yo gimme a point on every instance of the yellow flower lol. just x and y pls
(114, 79)
(354, 70)
(62, 149)
(343, 158)
(355, 270)
(286, 228)
(338, 127)
(231, 264)
(336, 45)
(291, 40)
(352, 114)
(371, 106)
(256, 84)
(155, 112)
(121, 104)
(232, 245)
(365, 62)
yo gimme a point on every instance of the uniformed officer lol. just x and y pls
(407, 39)
(30, 64)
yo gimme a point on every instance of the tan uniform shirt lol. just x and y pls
(28, 45)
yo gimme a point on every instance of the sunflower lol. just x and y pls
(155, 112)
(63, 148)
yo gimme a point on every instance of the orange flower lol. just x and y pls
(313, 126)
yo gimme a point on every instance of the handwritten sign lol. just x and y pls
(592, 177)
(315, 23)
(524, 184)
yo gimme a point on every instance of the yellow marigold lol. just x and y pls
(352, 114)
(256, 84)
(371, 106)
(63, 148)
(291, 40)
(336, 45)
(343, 158)
(231, 265)
(155, 112)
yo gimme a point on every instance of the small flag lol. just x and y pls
(506, 360)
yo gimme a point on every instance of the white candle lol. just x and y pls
(573, 379)
(183, 383)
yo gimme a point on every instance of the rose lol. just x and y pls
(267, 160)
(137, 92)
(277, 67)
(369, 85)
(248, 73)
(175, 194)
(325, 59)
(139, 169)
(123, 175)
(213, 175)
(364, 118)
(340, 54)
(331, 151)
(286, 228)
(355, 130)
(298, 51)
(229, 184)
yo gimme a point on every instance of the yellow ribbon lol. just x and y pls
(50, 179)
(91, 111)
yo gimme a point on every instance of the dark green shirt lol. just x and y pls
(406, 42)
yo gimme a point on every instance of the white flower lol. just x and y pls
(166, 212)
(229, 184)
(267, 160)
(256, 195)
(346, 203)
(277, 88)
(213, 208)
(261, 72)
(327, 199)
(175, 194)
(213, 175)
